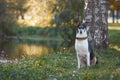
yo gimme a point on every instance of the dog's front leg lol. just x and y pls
(78, 59)
(88, 59)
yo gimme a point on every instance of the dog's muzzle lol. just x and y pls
(80, 32)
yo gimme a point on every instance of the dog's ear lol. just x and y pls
(85, 24)
(77, 25)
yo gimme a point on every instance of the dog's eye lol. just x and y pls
(81, 27)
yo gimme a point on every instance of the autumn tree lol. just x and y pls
(10, 10)
(96, 17)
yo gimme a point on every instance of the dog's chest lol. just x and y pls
(81, 46)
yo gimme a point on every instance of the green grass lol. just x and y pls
(114, 25)
(63, 65)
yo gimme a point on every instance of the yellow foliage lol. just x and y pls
(39, 13)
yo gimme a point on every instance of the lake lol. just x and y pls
(16, 49)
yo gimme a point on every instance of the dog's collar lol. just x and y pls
(83, 38)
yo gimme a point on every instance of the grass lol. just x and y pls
(114, 26)
(63, 65)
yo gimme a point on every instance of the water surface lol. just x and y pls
(15, 49)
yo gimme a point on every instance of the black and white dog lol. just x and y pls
(84, 50)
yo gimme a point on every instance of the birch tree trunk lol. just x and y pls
(95, 14)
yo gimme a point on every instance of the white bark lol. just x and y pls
(96, 15)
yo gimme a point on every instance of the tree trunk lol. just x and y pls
(113, 17)
(95, 14)
(117, 16)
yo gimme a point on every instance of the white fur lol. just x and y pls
(81, 47)
(84, 33)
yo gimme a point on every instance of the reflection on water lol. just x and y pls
(12, 49)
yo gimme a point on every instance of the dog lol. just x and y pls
(83, 47)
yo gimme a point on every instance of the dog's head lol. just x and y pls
(81, 31)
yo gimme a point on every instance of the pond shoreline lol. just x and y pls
(33, 38)
(14, 47)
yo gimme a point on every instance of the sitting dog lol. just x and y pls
(84, 50)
